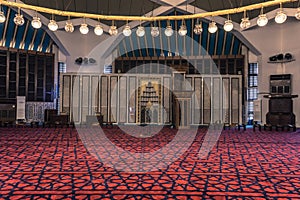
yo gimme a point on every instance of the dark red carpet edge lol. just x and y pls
(51, 163)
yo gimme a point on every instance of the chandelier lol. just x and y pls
(182, 31)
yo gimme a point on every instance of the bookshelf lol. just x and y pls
(26, 73)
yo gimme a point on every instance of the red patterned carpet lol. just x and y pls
(51, 163)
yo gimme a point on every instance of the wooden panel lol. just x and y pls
(94, 94)
(22, 74)
(235, 100)
(123, 99)
(113, 98)
(197, 101)
(85, 91)
(166, 100)
(31, 77)
(189, 83)
(12, 75)
(3, 73)
(66, 93)
(206, 100)
(216, 101)
(104, 91)
(76, 99)
(186, 113)
(132, 99)
(178, 81)
(225, 98)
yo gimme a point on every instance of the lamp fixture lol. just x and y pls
(52, 24)
(262, 18)
(182, 31)
(169, 31)
(245, 23)
(154, 31)
(127, 30)
(2, 15)
(140, 31)
(198, 28)
(144, 18)
(18, 19)
(212, 27)
(36, 22)
(98, 30)
(69, 26)
(280, 16)
(297, 15)
(113, 29)
(84, 29)
(228, 25)
(261, 21)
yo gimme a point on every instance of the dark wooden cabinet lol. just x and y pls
(26, 73)
(280, 110)
(48, 114)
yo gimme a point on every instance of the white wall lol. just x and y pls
(272, 40)
(78, 45)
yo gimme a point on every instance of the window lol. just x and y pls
(252, 90)
(107, 69)
(62, 67)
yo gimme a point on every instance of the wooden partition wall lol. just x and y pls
(117, 97)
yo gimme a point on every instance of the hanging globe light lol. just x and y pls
(228, 25)
(98, 30)
(169, 31)
(280, 17)
(113, 30)
(140, 31)
(245, 23)
(127, 31)
(52, 25)
(297, 15)
(212, 27)
(154, 31)
(262, 19)
(36, 22)
(69, 27)
(84, 29)
(18, 19)
(198, 28)
(2, 15)
(182, 30)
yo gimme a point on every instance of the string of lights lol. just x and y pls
(98, 29)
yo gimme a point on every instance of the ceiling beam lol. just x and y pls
(173, 3)
(156, 12)
(29, 13)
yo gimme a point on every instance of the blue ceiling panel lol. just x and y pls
(21, 31)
